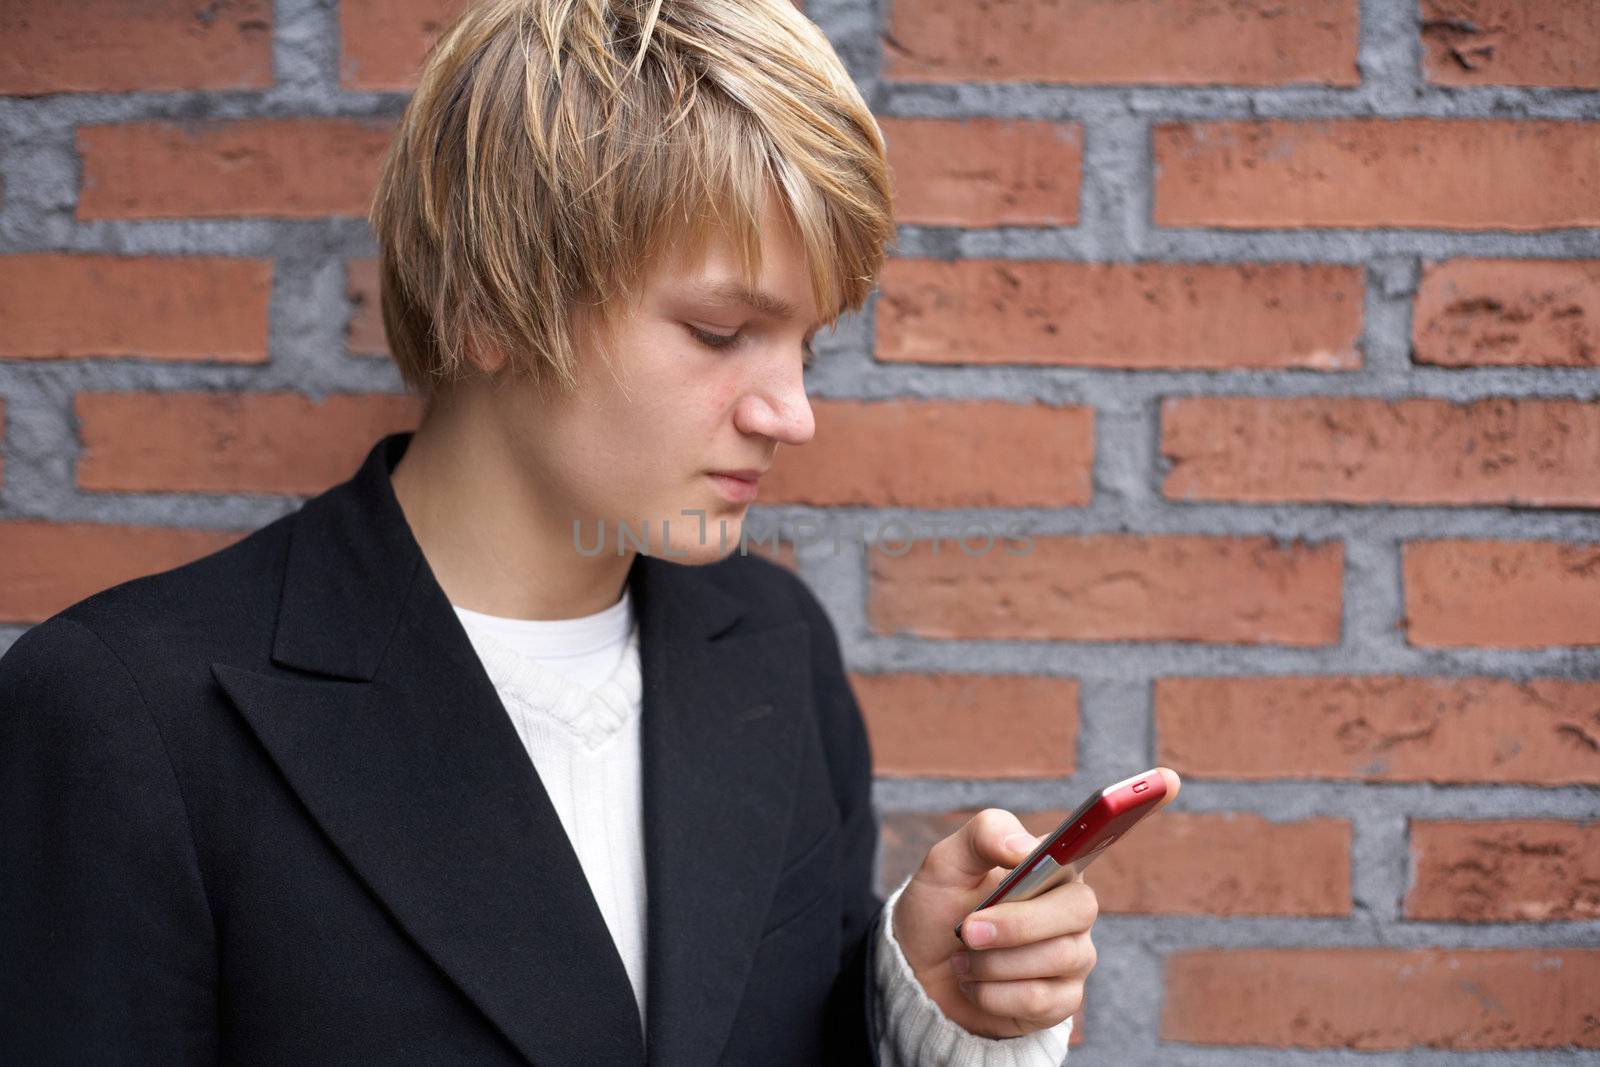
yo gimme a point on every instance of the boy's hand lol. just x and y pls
(1029, 975)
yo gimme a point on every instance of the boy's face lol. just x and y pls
(639, 446)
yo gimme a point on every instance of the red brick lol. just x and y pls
(984, 172)
(1177, 863)
(1361, 450)
(383, 43)
(1506, 594)
(1380, 728)
(945, 725)
(1527, 870)
(1454, 174)
(1508, 312)
(1372, 999)
(1132, 42)
(231, 442)
(1110, 587)
(285, 168)
(939, 454)
(364, 332)
(1227, 864)
(112, 46)
(64, 306)
(1511, 42)
(907, 836)
(1130, 315)
(48, 566)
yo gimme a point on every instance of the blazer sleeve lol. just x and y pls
(853, 1011)
(106, 933)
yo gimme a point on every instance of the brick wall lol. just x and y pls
(1272, 327)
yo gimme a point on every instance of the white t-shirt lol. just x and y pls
(572, 688)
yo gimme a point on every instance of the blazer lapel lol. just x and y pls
(385, 724)
(724, 711)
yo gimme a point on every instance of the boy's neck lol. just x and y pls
(492, 545)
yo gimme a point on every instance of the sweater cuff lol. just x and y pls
(917, 1031)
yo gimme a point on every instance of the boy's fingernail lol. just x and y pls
(959, 962)
(979, 932)
(1021, 842)
(966, 987)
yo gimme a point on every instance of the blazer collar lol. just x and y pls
(383, 720)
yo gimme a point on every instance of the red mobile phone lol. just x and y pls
(1081, 837)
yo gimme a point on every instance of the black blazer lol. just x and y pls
(267, 807)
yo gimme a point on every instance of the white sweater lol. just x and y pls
(573, 690)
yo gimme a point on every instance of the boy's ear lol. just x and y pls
(487, 358)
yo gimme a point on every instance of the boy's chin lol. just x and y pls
(692, 552)
(692, 544)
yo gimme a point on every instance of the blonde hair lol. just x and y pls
(555, 150)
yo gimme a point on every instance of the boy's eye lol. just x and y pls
(720, 340)
(715, 340)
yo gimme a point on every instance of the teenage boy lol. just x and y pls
(503, 750)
